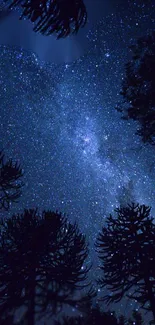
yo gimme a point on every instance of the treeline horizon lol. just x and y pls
(43, 255)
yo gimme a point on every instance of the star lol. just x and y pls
(60, 123)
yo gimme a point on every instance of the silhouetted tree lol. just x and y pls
(138, 88)
(10, 182)
(126, 248)
(94, 317)
(62, 17)
(41, 259)
(97, 317)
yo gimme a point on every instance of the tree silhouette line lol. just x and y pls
(10, 182)
(126, 247)
(43, 263)
(61, 17)
(138, 88)
(96, 316)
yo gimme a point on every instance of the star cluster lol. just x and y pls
(60, 123)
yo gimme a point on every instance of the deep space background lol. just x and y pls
(58, 117)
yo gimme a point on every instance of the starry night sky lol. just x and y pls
(58, 120)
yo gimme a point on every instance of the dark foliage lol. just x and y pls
(62, 17)
(7, 320)
(138, 88)
(41, 259)
(136, 319)
(66, 320)
(94, 317)
(126, 248)
(10, 182)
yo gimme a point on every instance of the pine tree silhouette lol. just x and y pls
(10, 182)
(138, 88)
(126, 248)
(41, 259)
(55, 16)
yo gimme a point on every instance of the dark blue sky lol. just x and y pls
(58, 118)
